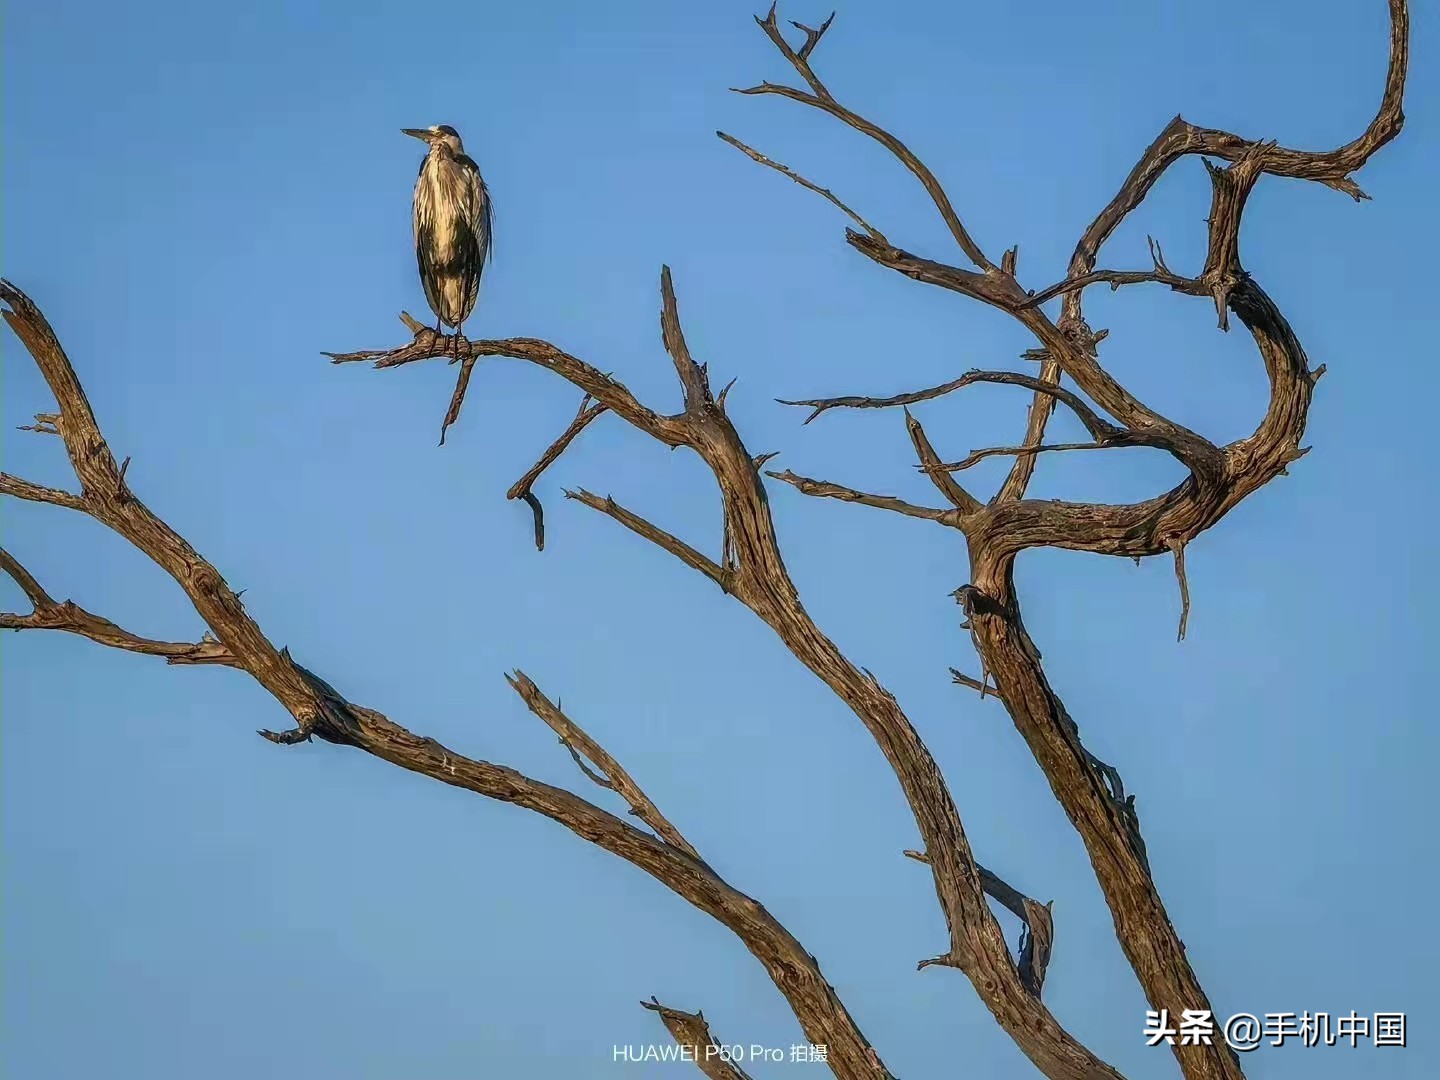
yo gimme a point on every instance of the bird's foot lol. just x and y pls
(460, 347)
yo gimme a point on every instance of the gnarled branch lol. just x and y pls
(755, 573)
(1219, 479)
(820, 98)
(1037, 939)
(323, 711)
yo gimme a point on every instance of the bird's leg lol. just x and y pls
(459, 340)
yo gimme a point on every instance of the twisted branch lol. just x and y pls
(521, 489)
(322, 711)
(1219, 478)
(820, 98)
(753, 570)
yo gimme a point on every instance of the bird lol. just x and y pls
(453, 227)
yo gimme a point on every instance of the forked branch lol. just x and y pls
(753, 571)
(321, 710)
(1219, 478)
(1037, 939)
(612, 774)
(820, 98)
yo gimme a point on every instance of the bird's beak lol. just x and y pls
(418, 133)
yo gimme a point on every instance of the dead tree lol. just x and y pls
(751, 569)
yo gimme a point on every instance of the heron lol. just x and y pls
(453, 218)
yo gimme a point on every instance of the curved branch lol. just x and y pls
(756, 156)
(959, 498)
(1097, 427)
(1332, 168)
(107, 497)
(24, 489)
(825, 490)
(821, 99)
(1116, 278)
(1220, 478)
(977, 456)
(1067, 350)
(603, 388)
(1037, 939)
(656, 535)
(1180, 138)
(794, 971)
(758, 577)
(521, 489)
(612, 774)
(321, 710)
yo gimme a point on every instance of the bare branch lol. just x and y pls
(1333, 168)
(1037, 939)
(322, 711)
(37, 596)
(612, 775)
(822, 405)
(656, 535)
(799, 60)
(697, 1044)
(822, 99)
(961, 499)
(982, 686)
(812, 36)
(755, 155)
(1178, 547)
(753, 570)
(1116, 278)
(1219, 480)
(823, 489)
(23, 489)
(603, 388)
(1042, 406)
(1070, 351)
(693, 376)
(757, 576)
(521, 489)
(1097, 427)
(107, 498)
(49, 614)
(45, 424)
(1037, 942)
(976, 456)
(462, 384)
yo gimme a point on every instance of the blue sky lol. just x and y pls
(205, 197)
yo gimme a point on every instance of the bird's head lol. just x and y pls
(439, 137)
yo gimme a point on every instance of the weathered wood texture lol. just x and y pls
(751, 569)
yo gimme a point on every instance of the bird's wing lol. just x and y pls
(476, 213)
(478, 208)
(424, 220)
